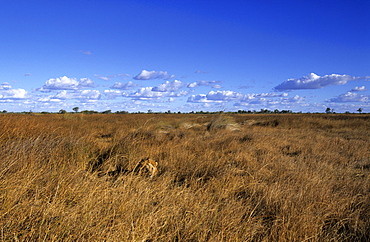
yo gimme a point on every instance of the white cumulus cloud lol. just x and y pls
(111, 94)
(253, 99)
(313, 81)
(359, 89)
(199, 98)
(168, 89)
(223, 95)
(177, 94)
(6, 92)
(18, 93)
(192, 85)
(289, 101)
(65, 83)
(85, 82)
(168, 86)
(88, 94)
(203, 83)
(148, 75)
(349, 97)
(146, 93)
(78, 94)
(227, 96)
(269, 100)
(49, 99)
(212, 96)
(5, 86)
(124, 86)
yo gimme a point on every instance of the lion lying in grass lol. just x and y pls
(146, 165)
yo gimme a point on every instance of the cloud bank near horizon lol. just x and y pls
(241, 99)
(350, 97)
(63, 91)
(313, 81)
(81, 95)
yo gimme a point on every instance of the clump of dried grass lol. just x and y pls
(223, 121)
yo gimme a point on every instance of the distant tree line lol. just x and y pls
(261, 111)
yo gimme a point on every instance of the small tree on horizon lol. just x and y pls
(107, 111)
(75, 109)
(359, 110)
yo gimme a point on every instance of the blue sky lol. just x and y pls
(184, 55)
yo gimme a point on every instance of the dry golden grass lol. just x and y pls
(293, 177)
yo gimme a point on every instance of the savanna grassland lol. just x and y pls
(236, 177)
